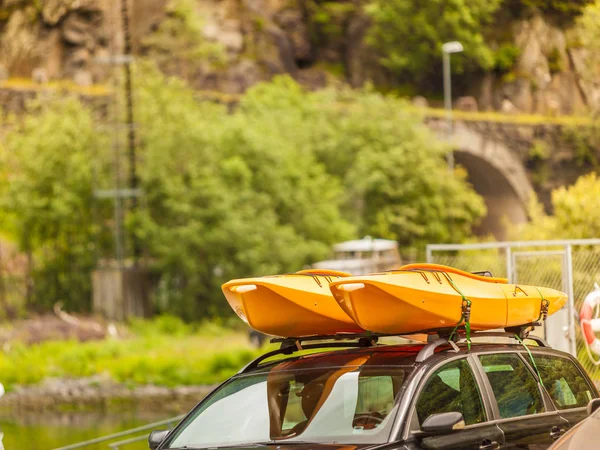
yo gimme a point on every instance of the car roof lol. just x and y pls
(389, 355)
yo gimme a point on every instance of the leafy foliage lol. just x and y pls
(564, 8)
(576, 213)
(587, 32)
(46, 198)
(410, 33)
(265, 189)
(178, 44)
(227, 196)
(506, 57)
(589, 25)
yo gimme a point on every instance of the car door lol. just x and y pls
(567, 386)
(451, 387)
(524, 416)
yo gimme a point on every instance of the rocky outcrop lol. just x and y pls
(547, 78)
(310, 40)
(60, 38)
(260, 38)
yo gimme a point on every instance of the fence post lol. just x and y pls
(429, 255)
(571, 300)
(509, 264)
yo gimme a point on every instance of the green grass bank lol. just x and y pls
(163, 352)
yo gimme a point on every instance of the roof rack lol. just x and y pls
(293, 345)
(294, 341)
(436, 338)
(435, 341)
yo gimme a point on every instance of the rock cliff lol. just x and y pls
(253, 40)
(550, 73)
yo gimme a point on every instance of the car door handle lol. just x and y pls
(489, 445)
(555, 432)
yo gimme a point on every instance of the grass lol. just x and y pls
(161, 352)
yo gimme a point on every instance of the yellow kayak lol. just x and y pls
(298, 304)
(422, 297)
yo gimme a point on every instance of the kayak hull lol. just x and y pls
(289, 305)
(414, 300)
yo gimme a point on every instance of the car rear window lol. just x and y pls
(515, 388)
(564, 382)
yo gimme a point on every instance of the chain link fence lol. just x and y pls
(570, 266)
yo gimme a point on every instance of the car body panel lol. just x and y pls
(470, 438)
(583, 436)
(528, 432)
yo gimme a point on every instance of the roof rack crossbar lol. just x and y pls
(429, 349)
(507, 334)
(296, 346)
(284, 341)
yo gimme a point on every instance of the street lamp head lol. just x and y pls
(452, 47)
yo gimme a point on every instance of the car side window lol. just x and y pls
(515, 388)
(564, 382)
(452, 388)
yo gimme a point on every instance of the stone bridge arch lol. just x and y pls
(497, 174)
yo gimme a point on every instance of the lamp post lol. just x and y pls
(447, 49)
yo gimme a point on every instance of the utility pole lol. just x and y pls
(122, 290)
(131, 142)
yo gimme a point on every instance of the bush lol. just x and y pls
(576, 213)
(506, 57)
(409, 34)
(563, 9)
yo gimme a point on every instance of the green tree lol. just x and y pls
(576, 213)
(392, 169)
(226, 196)
(409, 34)
(565, 10)
(587, 35)
(270, 187)
(46, 198)
(263, 190)
(588, 26)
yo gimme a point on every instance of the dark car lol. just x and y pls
(585, 435)
(435, 396)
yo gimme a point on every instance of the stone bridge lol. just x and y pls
(505, 168)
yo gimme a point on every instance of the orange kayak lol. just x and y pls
(422, 297)
(298, 304)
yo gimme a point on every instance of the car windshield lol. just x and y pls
(347, 404)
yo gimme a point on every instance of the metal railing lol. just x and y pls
(572, 266)
(116, 445)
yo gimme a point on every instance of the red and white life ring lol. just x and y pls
(589, 323)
